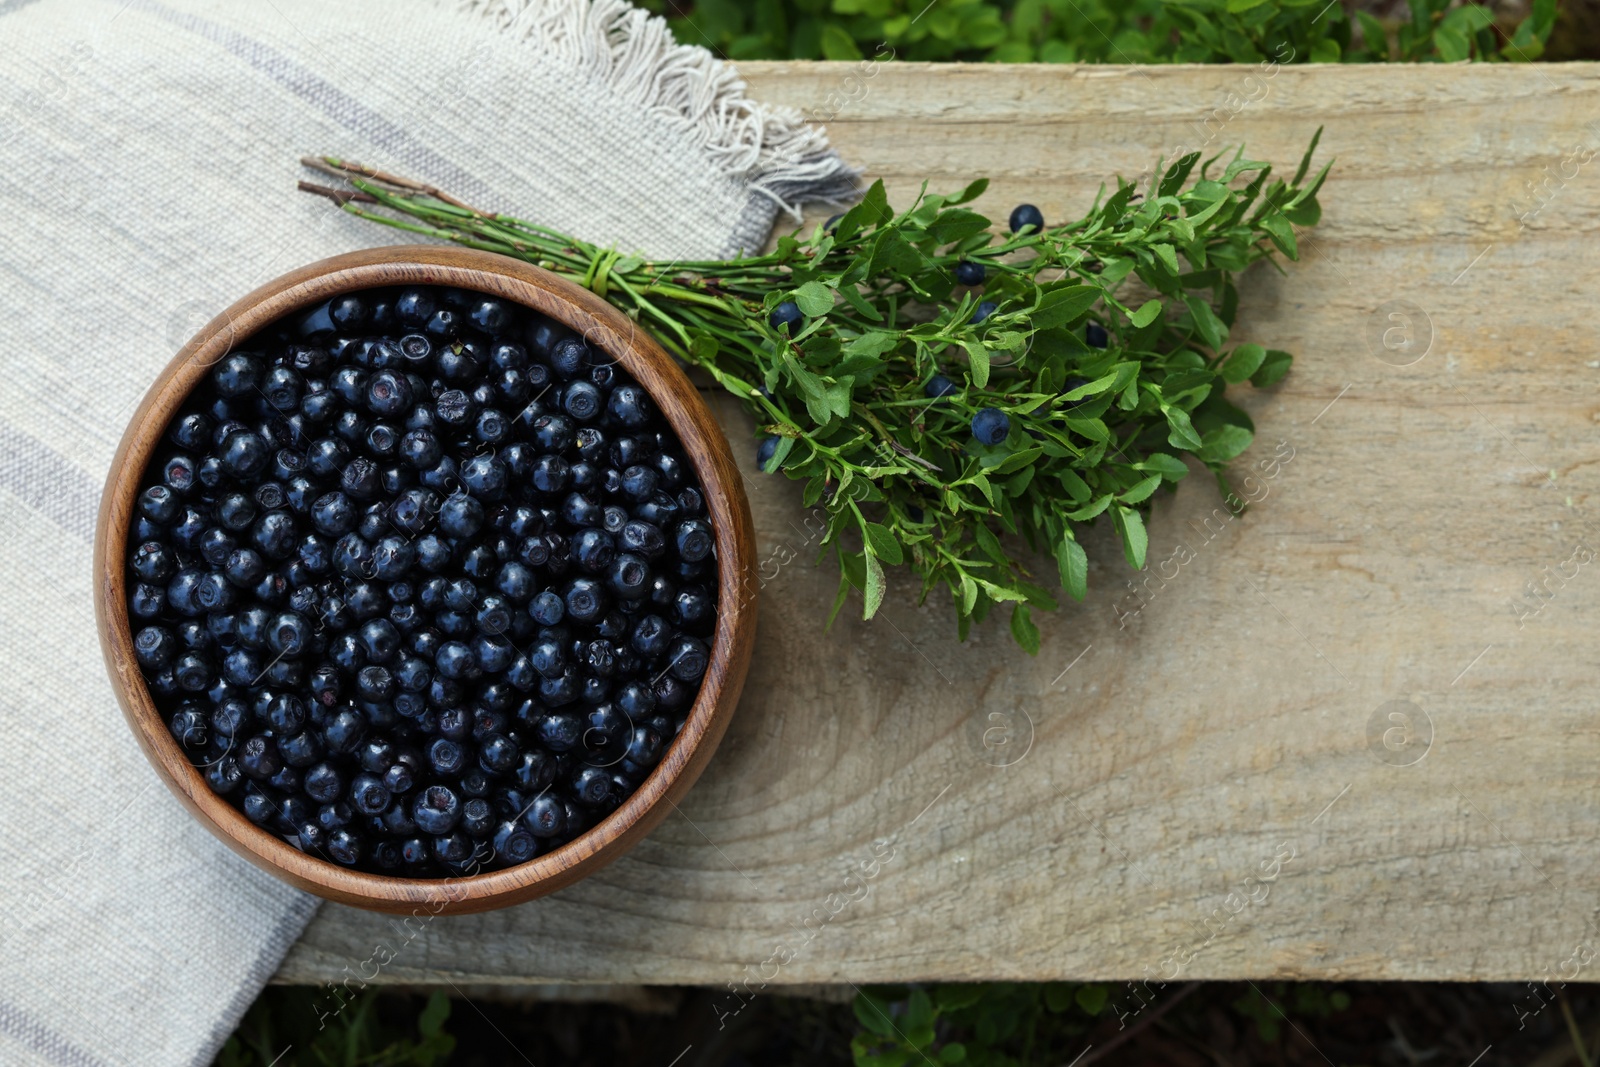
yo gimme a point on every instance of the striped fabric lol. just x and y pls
(147, 170)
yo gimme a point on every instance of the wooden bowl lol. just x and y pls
(703, 442)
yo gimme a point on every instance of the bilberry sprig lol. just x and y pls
(941, 388)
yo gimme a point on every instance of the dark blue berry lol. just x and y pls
(324, 783)
(154, 562)
(985, 309)
(388, 393)
(490, 316)
(630, 406)
(191, 431)
(436, 810)
(785, 317)
(570, 357)
(414, 307)
(514, 844)
(485, 476)
(454, 660)
(460, 516)
(369, 795)
(693, 539)
(581, 400)
(628, 577)
(155, 647)
(584, 599)
(442, 325)
(1024, 217)
(1095, 335)
(765, 451)
(969, 273)
(238, 374)
(159, 504)
(991, 426)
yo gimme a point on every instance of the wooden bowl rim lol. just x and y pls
(683, 408)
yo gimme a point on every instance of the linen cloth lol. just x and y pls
(148, 158)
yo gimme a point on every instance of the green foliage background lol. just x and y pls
(1104, 31)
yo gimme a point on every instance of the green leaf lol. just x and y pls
(853, 297)
(977, 362)
(955, 1052)
(1212, 329)
(845, 585)
(1134, 539)
(957, 225)
(1094, 388)
(1016, 461)
(1061, 306)
(875, 586)
(703, 347)
(958, 995)
(1024, 630)
(814, 299)
(1281, 230)
(1452, 43)
(1073, 562)
(1000, 594)
(1169, 467)
(433, 1017)
(895, 255)
(919, 1010)
(1273, 368)
(1243, 362)
(1092, 997)
(1182, 433)
(974, 189)
(1167, 256)
(1089, 511)
(873, 1013)
(838, 397)
(1146, 314)
(969, 593)
(873, 210)
(1141, 491)
(1224, 443)
(1305, 160)
(1373, 37)
(987, 542)
(872, 343)
(884, 546)
(837, 44)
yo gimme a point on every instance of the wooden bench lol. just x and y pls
(1350, 733)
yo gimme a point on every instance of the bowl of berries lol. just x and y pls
(424, 578)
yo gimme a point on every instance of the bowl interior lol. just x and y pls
(702, 440)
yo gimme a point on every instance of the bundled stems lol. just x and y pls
(932, 421)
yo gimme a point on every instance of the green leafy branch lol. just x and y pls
(896, 471)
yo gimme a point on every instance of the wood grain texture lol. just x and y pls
(1167, 759)
(703, 443)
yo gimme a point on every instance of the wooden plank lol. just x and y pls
(856, 827)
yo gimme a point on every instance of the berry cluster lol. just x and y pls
(422, 581)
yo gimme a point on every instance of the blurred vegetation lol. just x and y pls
(995, 1024)
(305, 1027)
(1112, 31)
